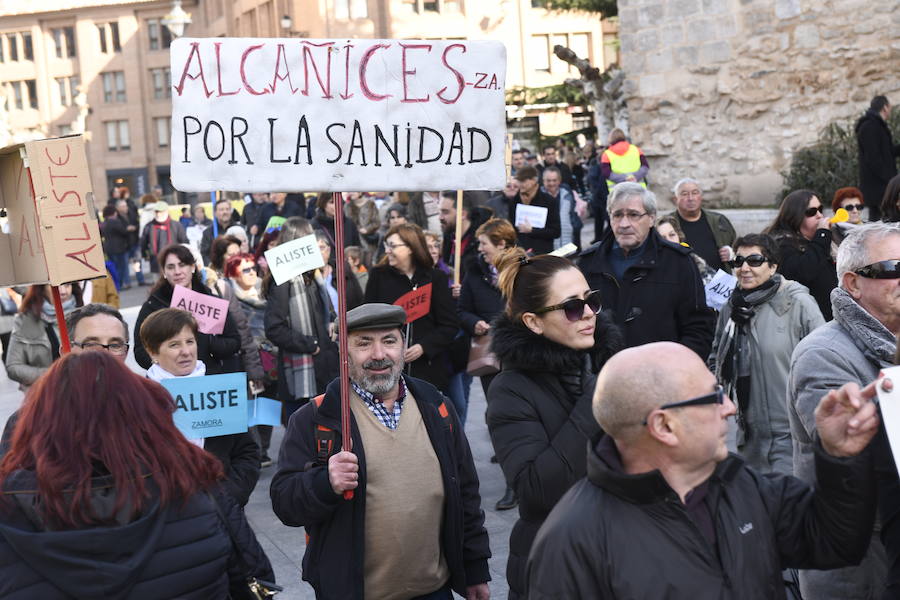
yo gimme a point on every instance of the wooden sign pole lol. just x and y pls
(341, 287)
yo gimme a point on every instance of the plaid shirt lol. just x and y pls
(389, 419)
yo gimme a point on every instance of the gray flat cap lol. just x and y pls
(376, 315)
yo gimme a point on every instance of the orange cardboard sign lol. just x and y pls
(416, 303)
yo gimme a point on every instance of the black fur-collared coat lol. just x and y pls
(540, 420)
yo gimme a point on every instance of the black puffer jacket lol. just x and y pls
(479, 298)
(809, 262)
(660, 298)
(629, 536)
(877, 156)
(540, 420)
(179, 551)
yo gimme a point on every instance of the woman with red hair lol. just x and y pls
(851, 200)
(104, 498)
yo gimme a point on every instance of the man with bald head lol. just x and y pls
(666, 512)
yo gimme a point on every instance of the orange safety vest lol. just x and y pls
(623, 163)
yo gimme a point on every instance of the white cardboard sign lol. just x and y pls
(262, 114)
(296, 257)
(890, 410)
(535, 215)
(719, 289)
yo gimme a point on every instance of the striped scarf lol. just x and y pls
(299, 372)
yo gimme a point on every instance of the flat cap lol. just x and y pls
(161, 206)
(376, 315)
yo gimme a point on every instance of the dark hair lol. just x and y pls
(843, 194)
(90, 413)
(765, 242)
(878, 102)
(165, 324)
(413, 236)
(220, 201)
(467, 204)
(91, 310)
(33, 302)
(890, 210)
(791, 214)
(526, 173)
(264, 242)
(233, 264)
(185, 255)
(322, 199)
(673, 221)
(524, 282)
(498, 230)
(218, 249)
(547, 147)
(519, 151)
(109, 210)
(398, 208)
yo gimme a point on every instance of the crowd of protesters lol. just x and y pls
(610, 378)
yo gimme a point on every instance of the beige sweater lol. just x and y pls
(404, 506)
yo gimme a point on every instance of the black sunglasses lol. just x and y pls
(754, 260)
(811, 212)
(850, 207)
(883, 269)
(574, 308)
(717, 397)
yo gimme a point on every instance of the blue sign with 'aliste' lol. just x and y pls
(210, 405)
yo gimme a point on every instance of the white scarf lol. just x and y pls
(157, 373)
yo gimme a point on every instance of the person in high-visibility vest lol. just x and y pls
(623, 161)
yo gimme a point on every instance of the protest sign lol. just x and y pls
(263, 411)
(262, 114)
(296, 257)
(719, 289)
(53, 236)
(535, 215)
(889, 402)
(209, 311)
(210, 405)
(416, 303)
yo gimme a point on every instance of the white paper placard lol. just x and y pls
(535, 215)
(719, 289)
(296, 257)
(263, 114)
(890, 410)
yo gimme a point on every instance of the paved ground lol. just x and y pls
(285, 545)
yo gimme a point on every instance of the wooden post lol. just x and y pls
(341, 287)
(457, 248)
(64, 347)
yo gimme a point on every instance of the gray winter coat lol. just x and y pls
(852, 347)
(777, 327)
(30, 354)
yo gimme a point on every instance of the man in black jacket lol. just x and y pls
(415, 522)
(663, 493)
(877, 154)
(537, 240)
(650, 287)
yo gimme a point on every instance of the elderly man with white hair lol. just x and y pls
(651, 288)
(709, 234)
(855, 346)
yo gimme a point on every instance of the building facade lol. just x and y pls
(101, 67)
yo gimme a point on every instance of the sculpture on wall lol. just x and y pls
(604, 90)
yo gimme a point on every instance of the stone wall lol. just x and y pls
(725, 90)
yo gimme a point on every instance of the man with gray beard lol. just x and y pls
(414, 528)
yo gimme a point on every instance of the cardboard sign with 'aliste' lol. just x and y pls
(209, 405)
(209, 311)
(296, 257)
(416, 303)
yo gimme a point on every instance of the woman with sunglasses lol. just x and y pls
(803, 235)
(550, 340)
(757, 331)
(851, 200)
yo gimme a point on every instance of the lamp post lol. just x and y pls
(177, 20)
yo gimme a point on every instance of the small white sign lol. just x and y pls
(890, 410)
(296, 257)
(535, 215)
(719, 289)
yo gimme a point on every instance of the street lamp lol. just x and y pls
(286, 22)
(177, 20)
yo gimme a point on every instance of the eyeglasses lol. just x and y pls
(811, 212)
(631, 215)
(883, 269)
(850, 207)
(115, 348)
(717, 397)
(392, 247)
(574, 308)
(754, 260)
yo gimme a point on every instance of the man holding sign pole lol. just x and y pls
(414, 528)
